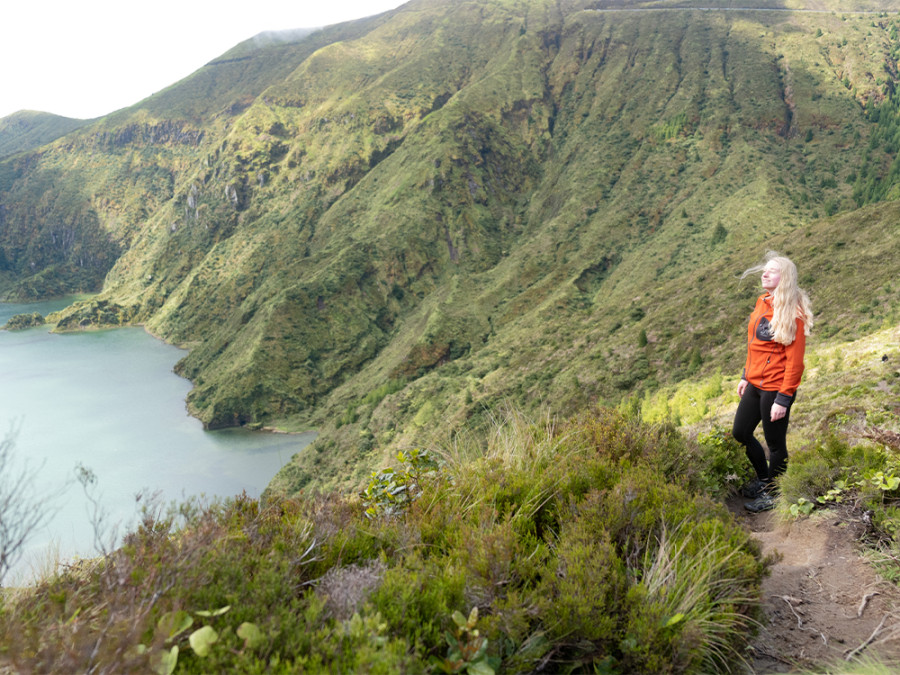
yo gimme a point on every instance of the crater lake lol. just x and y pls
(109, 402)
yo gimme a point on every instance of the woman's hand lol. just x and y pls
(778, 412)
(741, 386)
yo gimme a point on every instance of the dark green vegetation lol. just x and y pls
(388, 229)
(23, 321)
(585, 546)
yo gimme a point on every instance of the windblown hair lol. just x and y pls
(789, 301)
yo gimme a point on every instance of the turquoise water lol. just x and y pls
(110, 401)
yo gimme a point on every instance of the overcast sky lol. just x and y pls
(87, 58)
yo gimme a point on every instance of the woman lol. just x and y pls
(776, 340)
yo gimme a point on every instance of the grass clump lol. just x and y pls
(533, 544)
(860, 479)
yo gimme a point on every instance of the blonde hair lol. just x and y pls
(789, 301)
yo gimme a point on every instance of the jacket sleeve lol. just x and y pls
(793, 367)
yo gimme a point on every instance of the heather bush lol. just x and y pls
(713, 464)
(581, 591)
(722, 463)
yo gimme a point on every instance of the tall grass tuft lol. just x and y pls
(509, 437)
(690, 581)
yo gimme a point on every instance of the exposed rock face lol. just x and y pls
(165, 133)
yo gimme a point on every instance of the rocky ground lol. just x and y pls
(824, 604)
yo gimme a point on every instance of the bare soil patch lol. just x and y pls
(823, 602)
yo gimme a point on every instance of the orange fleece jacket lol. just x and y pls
(770, 365)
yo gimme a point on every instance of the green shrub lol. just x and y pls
(390, 490)
(887, 520)
(416, 598)
(495, 558)
(625, 440)
(722, 462)
(582, 590)
(813, 471)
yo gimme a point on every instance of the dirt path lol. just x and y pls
(822, 601)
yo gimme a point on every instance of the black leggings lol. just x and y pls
(756, 406)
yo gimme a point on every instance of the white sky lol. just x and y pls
(87, 58)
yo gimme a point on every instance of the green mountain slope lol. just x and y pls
(27, 130)
(387, 229)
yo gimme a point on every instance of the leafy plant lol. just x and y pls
(171, 626)
(467, 648)
(390, 490)
(802, 507)
(862, 479)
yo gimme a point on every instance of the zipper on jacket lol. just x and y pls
(762, 377)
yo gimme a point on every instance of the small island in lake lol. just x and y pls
(23, 321)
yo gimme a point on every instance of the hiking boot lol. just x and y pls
(765, 502)
(753, 489)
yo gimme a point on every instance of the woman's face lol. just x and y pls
(771, 276)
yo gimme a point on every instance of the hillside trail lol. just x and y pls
(822, 601)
